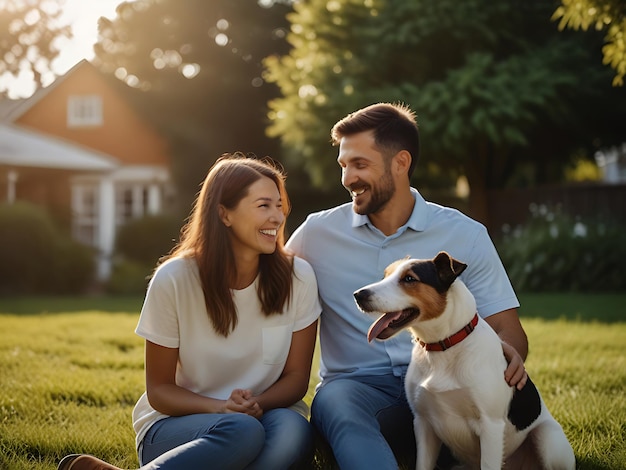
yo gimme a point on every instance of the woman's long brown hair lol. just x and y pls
(205, 238)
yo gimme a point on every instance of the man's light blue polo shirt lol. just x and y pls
(347, 252)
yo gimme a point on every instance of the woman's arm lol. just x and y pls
(168, 398)
(293, 383)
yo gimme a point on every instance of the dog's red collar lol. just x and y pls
(450, 341)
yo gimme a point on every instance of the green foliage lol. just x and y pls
(89, 373)
(29, 305)
(495, 86)
(146, 239)
(35, 257)
(74, 266)
(27, 242)
(583, 169)
(128, 277)
(556, 252)
(573, 306)
(492, 104)
(28, 31)
(609, 15)
(139, 245)
(577, 370)
(196, 72)
(69, 384)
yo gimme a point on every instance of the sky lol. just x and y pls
(83, 16)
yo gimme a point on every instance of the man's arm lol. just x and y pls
(514, 345)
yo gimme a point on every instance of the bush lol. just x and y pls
(75, 266)
(35, 257)
(129, 277)
(556, 252)
(146, 239)
(139, 245)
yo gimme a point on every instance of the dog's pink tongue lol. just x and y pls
(380, 324)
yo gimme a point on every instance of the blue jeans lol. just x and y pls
(366, 420)
(281, 439)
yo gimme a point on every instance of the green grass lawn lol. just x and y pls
(72, 369)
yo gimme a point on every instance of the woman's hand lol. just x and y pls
(242, 401)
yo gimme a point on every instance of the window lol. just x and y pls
(85, 208)
(131, 201)
(84, 111)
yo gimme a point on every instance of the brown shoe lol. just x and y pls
(84, 462)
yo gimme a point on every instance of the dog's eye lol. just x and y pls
(409, 278)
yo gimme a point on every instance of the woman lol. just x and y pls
(230, 323)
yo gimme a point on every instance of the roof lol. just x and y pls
(12, 110)
(23, 148)
(7, 106)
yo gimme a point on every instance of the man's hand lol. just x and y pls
(515, 374)
(514, 345)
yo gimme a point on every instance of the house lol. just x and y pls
(79, 148)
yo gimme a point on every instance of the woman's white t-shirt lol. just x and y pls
(251, 357)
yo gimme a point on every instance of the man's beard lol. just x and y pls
(379, 196)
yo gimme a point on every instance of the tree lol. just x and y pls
(196, 69)
(500, 94)
(28, 34)
(601, 15)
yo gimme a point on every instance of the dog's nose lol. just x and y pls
(362, 295)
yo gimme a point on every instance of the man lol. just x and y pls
(360, 406)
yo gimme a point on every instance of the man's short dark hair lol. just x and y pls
(394, 125)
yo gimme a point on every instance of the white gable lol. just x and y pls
(23, 148)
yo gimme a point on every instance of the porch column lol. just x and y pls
(12, 177)
(154, 199)
(137, 209)
(106, 227)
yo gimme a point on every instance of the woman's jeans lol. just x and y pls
(281, 439)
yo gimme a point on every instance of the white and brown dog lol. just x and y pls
(455, 381)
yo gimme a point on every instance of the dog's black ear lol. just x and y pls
(448, 268)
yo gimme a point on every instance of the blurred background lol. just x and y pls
(112, 112)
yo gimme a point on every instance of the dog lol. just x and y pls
(455, 380)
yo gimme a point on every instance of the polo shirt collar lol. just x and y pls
(416, 222)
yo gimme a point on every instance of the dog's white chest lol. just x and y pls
(476, 363)
(444, 383)
(454, 389)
